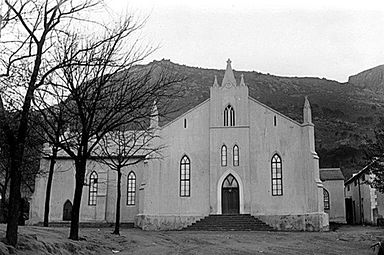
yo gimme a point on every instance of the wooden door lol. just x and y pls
(230, 196)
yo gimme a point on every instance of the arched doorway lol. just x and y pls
(230, 199)
(67, 211)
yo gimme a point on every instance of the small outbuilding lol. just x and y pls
(333, 190)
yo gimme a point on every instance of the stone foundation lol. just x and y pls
(340, 220)
(303, 222)
(155, 222)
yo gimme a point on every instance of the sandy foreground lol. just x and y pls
(345, 240)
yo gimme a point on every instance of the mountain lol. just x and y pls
(344, 114)
(372, 79)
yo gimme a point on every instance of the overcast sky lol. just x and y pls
(329, 38)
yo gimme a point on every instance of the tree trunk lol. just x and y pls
(3, 200)
(14, 200)
(80, 176)
(2, 207)
(117, 222)
(49, 185)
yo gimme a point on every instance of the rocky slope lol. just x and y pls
(344, 114)
(372, 79)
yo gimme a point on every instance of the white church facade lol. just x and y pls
(229, 155)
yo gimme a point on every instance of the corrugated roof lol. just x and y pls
(327, 174)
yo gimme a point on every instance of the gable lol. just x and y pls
(272, 111)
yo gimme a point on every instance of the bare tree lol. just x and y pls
(29, 37)
(29, 168)
(123, 148)
(52, 163)
(106, 91)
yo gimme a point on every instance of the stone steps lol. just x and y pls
(236, 222)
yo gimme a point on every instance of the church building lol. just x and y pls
(228, 155)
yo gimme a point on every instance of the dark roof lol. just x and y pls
(327, 174)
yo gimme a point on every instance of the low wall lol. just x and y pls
(155, 222)
(302, 222)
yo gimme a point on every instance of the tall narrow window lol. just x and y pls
(229, 116)
(277, 179)
(224, 155)
(92, 188)
(274, 120)
(185, 123)
(131, 188)
(185, 178)
(236, 155)
(326, 199)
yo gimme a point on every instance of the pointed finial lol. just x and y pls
(242, 83)
(306, 102)
(154, 120)
(307, 113)
(229, 77)
(215, 84)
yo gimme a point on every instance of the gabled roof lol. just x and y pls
(362, 171)
(331, 174)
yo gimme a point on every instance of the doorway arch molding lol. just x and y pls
(219, 186)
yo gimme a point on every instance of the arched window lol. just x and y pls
(223, 155)
(326, 199)
(67, 210)
(236, 155)
(277, 178)
(230, 182)
(92, 188)
(229, 116)
(131, 188)
(185, 178)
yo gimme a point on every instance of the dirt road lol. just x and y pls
(345, 240)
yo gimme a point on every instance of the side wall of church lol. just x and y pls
(63, 186)
(163, 207)
(300, 207)
(266, 140)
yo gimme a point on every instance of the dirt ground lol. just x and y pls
(345, 240)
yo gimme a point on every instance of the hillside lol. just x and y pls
(372, 79)
(344, 114)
